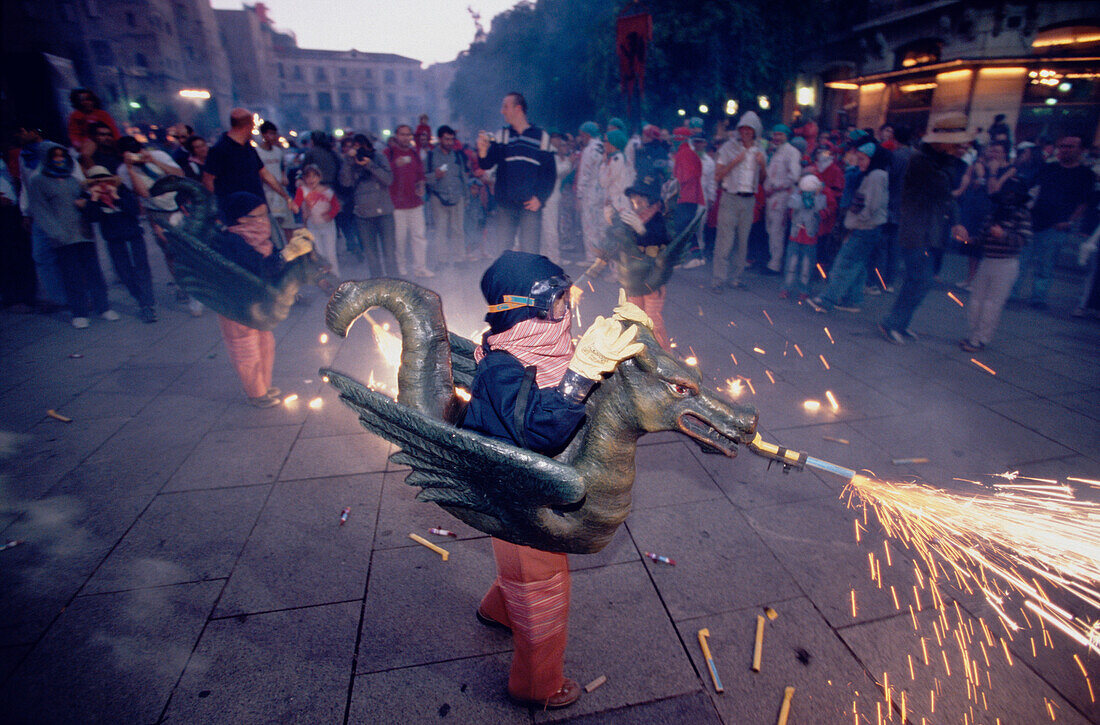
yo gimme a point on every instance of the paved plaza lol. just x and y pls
(183, 560)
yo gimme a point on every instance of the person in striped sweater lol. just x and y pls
(1006, 231)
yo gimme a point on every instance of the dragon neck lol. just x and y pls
(606, 452)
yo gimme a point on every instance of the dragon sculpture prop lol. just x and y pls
(188, 235)
(572, 503)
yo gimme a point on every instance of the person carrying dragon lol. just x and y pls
(529, 390)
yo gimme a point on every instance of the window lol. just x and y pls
(919, 52)
(343, 72)
(297, 75)
(390, 76)
(368, 73)
(374, 123)
(319, 74)
(372, 102)
(408, 76)
(130, 20)
(281, 70)
(391, 101)
(349, 121)
(324, 101)
(345, 101)
(140, 60)
(326, 122)
(411, 103)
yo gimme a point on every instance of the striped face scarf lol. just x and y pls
(257, 232)
(546, 345)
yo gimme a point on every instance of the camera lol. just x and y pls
(364, 152)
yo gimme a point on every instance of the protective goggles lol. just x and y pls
(544, 297)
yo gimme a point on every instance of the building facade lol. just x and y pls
(1036, 63)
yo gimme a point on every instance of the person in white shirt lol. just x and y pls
(589, 192)
(549, 240)
(738, 169)
(615, 175)
(784, 170)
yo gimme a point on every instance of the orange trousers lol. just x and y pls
(531, 595)
(252, 353)
(652, 304)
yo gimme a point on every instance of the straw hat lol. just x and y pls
(949, 128)
(96, 174)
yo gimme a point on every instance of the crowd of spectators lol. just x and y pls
(838, 214)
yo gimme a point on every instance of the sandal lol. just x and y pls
(569, 693)
(490, 622)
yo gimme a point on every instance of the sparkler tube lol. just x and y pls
(821, 465)
(795, 459)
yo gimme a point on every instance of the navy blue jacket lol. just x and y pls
(550, 419)
(525, 166)
(236, 249)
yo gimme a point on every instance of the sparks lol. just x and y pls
(832, 401)
(316, 403)
(769, 318)
(734, 387)
(955, 299)
(829, 335)
(824, 361)
(812, 405)
(770, 376)
(292, 398)
(323, 338)
(758, 350)
(734, 358)
(883, 284)
(821, 271)
(388, 343)
(691, 360)
(988, 369)
(1018, 541)
(799, 351)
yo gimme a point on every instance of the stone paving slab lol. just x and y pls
(278, 667)
(110, 658)
(619, 628)
(799, 650)
(721, 563)
(336, 456)
(234, 457)
(887, 645)
(467, 690)
(692, 708)
(183, 537)
(298, 529)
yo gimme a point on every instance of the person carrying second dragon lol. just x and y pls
(645, 248)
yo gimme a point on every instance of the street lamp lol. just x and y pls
(731, 107)
(805, 96)
(134, 104)
(763, 102)
(681, 112)
(703, 108)
(195, 93)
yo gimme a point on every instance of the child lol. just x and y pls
(319, 207)
(246, 241)
(55, 203)
(528, 355)
(639, 242)
(1006, 231)
(807, 205)
(116, 209)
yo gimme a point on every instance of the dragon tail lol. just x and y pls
(424, 380)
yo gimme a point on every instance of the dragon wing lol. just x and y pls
(205, 274)
(463, 365)
(460, 468)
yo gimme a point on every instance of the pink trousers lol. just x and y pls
(252, 353)
(531, 595)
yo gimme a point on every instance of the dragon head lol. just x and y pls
(665, 393)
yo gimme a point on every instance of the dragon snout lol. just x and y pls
(718, 427)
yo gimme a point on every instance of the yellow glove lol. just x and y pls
(603, 346)
(301, 242)
(629, 312)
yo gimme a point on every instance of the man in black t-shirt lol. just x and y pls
(233, 164)
(1065, 188)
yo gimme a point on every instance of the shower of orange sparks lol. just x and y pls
(955, 299)
(832, 401)
(758, 350)
(824, 361)
(830, 336)
(879, 275)
(1012, 542)
(734, 358)
(988, 369)
(749, 383)
(769, 318)
(770, 376)
(734, 387)
(821, 271)
(799, 351)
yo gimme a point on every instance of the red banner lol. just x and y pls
(632, 34)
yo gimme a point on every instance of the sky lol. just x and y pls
(432, 31)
